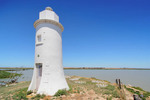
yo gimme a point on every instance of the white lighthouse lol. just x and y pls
(48, 76)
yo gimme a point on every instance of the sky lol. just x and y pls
(97, 33)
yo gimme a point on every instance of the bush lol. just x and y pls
(137, 92)
(43, 95)
(29, 92)
(61, 92)
(38, 97)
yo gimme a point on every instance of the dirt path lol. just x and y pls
(128, 95)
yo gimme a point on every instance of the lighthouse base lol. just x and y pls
(48, 80)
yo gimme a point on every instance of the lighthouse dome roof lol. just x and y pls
(49, 8)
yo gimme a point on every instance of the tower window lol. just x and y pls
(39, 38)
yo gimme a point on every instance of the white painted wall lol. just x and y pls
(49, 53)
(48, 14)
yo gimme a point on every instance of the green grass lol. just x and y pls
(110, 90)
(132, 91)
(16, 95)
(146, 94)
(138, 88)
(17, 92)
(110, 87)
(5, 74)
(20, 94)
(7, 92)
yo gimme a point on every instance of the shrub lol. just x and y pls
(43, 95)
(137, 92)
(61, 92)
(29, 92)
(38, 96)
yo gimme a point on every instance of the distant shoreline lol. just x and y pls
(97, 68)
(74, 68)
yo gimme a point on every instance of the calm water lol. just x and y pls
(139, 78)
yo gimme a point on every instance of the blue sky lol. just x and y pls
(97, 33)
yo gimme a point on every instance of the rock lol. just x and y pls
(72, 95)
(63, 96)
(74, 79)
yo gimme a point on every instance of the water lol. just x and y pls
(140, 78)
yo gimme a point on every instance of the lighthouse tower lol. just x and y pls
(48, 76)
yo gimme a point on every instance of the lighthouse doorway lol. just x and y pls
(38, 74)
